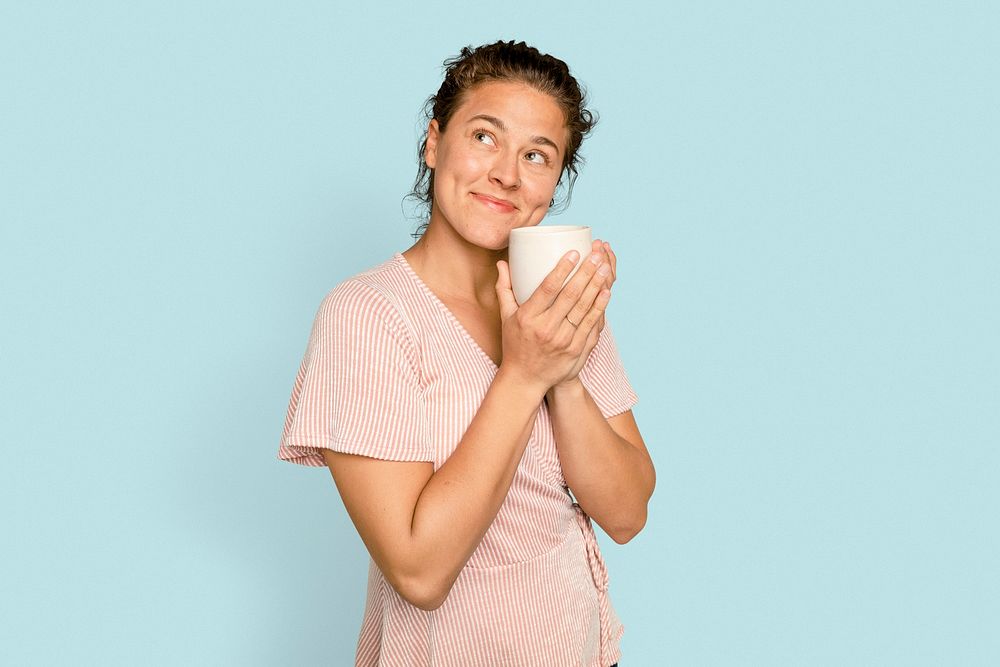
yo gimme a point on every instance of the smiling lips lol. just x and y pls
(498, 205)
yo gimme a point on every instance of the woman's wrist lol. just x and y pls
(526, 385)
(571, 388)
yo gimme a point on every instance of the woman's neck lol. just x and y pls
(456, 269)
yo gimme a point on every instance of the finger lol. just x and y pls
(604, 249)
(549, 289)
(590, 292)
(614, 261)
(573, 291)
(595, 335)
(505, 293)
(589, 322)
(600, 246)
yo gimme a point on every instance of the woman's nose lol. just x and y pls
(504, 171)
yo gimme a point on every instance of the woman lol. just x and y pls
(454, 422)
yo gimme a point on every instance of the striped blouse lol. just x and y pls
(390, 372)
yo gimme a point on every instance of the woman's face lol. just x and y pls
(497, 165)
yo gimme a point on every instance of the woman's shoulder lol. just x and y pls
(384, 290)
(381, 278)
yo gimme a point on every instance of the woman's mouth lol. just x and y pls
(498, 205)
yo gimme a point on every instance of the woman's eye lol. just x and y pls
(482, 137)
(536, 157)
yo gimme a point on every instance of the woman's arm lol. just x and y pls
(421, 526)
(604, 461)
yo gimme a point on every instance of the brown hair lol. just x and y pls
(505, 61)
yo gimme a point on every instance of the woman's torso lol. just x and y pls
(536, 585)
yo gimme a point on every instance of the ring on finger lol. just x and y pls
(575, 325)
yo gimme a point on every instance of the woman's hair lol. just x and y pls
(510, 62)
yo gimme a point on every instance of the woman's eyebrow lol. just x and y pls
(542, 141)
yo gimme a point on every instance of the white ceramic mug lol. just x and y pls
(534, 251)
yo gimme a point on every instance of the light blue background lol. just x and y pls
(804, 197)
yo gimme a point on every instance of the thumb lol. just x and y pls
(505, 293)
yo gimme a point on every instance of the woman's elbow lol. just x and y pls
(624, 532)
(425, 600)
(422, 592)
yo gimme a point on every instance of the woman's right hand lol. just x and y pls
(541, 345)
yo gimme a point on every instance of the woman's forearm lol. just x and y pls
(461, 499)
(611, 478)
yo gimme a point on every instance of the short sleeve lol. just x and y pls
(605, 378)
(358, 389)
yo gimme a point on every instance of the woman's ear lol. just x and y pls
(430, 151)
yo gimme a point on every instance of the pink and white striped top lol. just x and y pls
(391, 373)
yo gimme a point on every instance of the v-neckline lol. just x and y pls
(447, 311)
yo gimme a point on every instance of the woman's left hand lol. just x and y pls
(604, 248)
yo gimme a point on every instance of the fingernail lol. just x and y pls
(573, 256)
(596, 258)
(604, 270)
